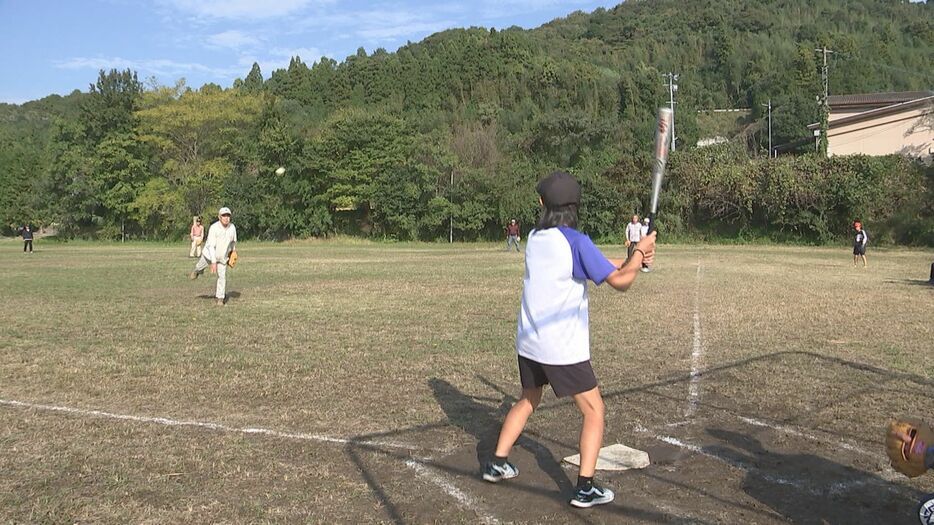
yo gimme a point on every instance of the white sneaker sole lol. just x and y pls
(600, 501)
(497, 479)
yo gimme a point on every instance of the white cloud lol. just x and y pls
(380, 33)
(307, 54)
(232, 39)
(374, 26)
(158, 66)
(278, 58)
(493, 11)
(238, 9)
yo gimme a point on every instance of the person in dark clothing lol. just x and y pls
(26, 232)
(512, 235)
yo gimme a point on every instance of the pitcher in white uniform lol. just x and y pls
(221, 243)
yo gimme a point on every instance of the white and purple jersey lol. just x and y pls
(554, 324)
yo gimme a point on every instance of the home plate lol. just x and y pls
(616, 457)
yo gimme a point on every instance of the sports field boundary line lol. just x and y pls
(737, 465)
(802, 485)
(800, 433)
(697, 351)
(169, 422)
(462, 498)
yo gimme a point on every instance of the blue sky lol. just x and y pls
(56, 46)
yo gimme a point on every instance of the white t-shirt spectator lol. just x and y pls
(634, 231)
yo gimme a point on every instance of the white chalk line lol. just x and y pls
(887, 473)
(462, 498)
(837, 442)
(215, 426)
(697, 350)
(737, 465)
(802, 485)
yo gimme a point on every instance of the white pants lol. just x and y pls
(195, 247)
(221, 291)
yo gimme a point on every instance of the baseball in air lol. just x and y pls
(280, 170)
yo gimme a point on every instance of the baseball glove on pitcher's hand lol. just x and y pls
(907, 441)
(232, 260)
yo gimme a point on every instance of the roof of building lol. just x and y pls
(884, 110)
(874, 99)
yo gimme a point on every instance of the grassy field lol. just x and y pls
(359, 382)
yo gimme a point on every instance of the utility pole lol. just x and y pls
(672, 89)
(769, 105)
(825, 77)
(824, 140)
(451, 230)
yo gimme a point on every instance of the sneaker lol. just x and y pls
(219, 302)
(592, 495)
(193, 275)
(495, 473)
(645, 269)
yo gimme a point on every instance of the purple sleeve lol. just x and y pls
(589, 261)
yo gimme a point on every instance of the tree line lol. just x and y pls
(453, 132)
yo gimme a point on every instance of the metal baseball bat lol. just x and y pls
(662, 143)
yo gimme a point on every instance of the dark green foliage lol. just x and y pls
(111, 104)
(720, 191)
(253, 83)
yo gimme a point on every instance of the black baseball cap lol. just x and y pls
(559, 189)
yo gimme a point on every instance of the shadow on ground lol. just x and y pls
(230, 295)
(805, 488)
(483, 423)
(799, 487)
(915, 282)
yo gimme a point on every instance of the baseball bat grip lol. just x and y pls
(651, 222)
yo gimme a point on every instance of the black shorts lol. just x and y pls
(565, 380)
(859, 249)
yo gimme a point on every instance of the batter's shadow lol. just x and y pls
(914, 282)
(483, 423)
(805, 488)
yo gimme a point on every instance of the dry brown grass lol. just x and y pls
(358, 339)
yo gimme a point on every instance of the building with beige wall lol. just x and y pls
(881, 124)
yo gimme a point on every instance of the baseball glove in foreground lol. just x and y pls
(906, 442)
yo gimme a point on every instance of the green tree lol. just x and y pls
(121, 170)
(111, 104)
(194, 139)
(253, 83)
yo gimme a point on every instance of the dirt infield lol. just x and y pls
(362, 383)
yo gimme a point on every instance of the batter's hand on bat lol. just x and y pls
(647, 246)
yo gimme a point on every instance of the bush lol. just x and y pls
(720, 191)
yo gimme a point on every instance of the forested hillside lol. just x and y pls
(457, 127)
